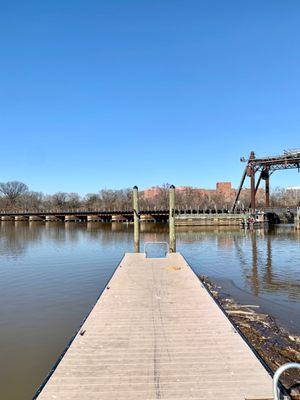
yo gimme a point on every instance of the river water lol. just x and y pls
(51, 275)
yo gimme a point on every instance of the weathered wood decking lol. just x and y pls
(156, 333)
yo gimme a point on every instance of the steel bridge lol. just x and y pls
(265, 166)
(100, 215)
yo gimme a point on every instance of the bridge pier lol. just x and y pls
(52, 218)
(94, 218)
(35, 218)
(7, 218)
(147, 218)
(19, 218)
(71, 218)
(118, 218)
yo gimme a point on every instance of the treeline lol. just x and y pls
(16, 196)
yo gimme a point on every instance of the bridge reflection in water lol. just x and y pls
(262, 261)
(51, 274)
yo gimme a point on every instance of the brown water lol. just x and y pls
(51, 275)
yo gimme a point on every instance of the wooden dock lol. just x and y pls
(156, 333)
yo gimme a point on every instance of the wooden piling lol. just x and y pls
(136, 219)
(297, 219)
(172, 234)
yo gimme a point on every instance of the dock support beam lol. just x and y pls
(172, 234)
(136, 219)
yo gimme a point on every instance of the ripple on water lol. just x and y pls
(52, 274)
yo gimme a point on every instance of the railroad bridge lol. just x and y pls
(265, 167)
(128, 215)
(85, 215)
(103, 216)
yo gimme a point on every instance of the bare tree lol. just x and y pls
(73, 201)
(218, 200)
(292, 197)
(17, 197)
(108, 198)
(13, 190)
(186, 198)
(33, 201)
(59, 199)
(162, 197)
(92, 201)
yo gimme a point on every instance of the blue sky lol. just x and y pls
(115, 93)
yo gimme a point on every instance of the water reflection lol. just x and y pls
(257, 266)
(267, 275)
(264, 262)
(52, 273)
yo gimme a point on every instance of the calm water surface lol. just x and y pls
(51, 275)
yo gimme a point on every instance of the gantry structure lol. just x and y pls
(265, 167)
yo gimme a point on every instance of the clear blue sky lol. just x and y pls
(115, 93)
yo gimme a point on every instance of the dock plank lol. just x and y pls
(156, 333)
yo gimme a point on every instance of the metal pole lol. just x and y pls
(252, 180)
(256, 187)
(136, 219)
(172, 234)
(276, 377)
(239, 190)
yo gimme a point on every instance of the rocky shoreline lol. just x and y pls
(274, 344)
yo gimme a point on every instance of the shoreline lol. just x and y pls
(273, 342)
(285, 313)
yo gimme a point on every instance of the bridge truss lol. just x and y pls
(265, 167)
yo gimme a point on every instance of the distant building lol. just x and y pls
(224, 189)
(151, 192)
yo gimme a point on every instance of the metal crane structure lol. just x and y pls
(265, 166)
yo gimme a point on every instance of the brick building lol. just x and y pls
(223, 190)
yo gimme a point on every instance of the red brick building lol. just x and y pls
(223, 190)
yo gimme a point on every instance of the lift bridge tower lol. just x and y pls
(265, 167)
